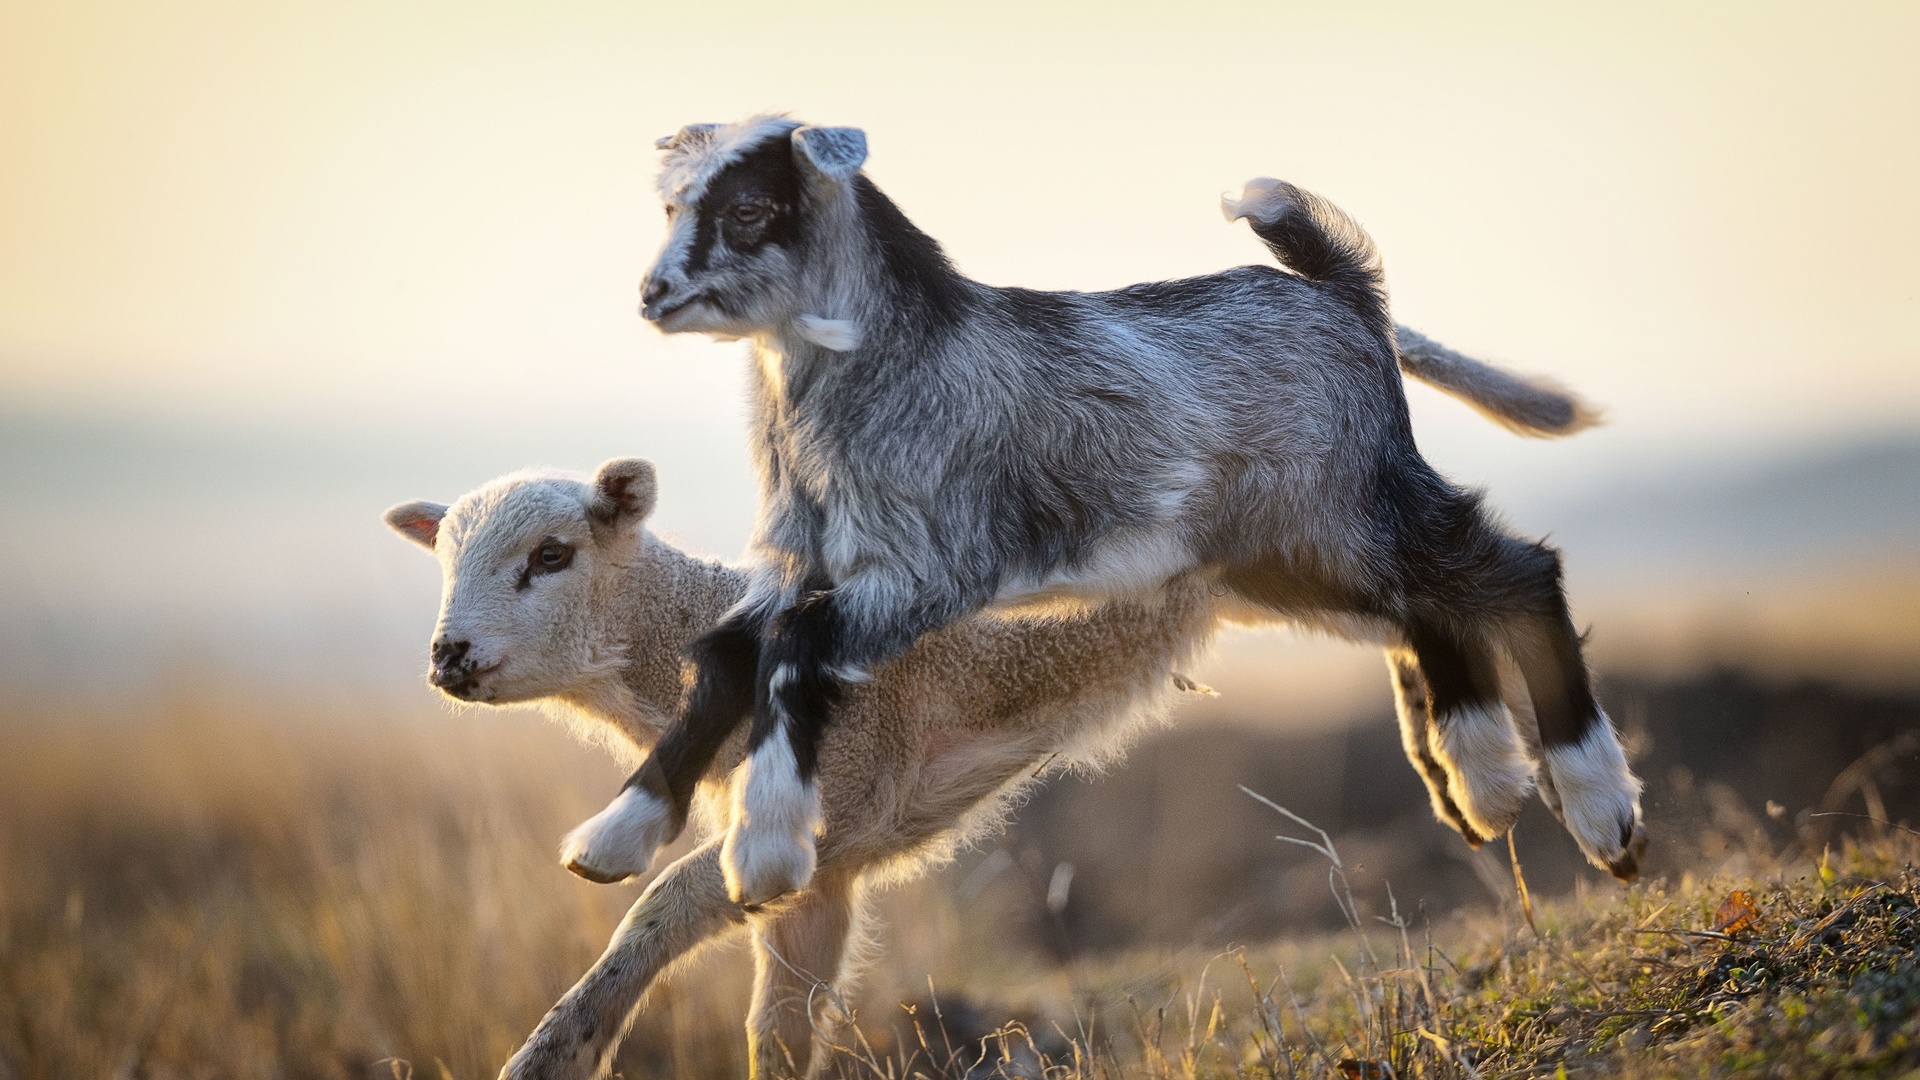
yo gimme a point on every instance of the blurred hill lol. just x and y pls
(134, 547)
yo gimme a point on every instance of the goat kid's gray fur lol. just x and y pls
(929, 446)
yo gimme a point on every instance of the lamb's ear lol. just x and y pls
(832, 154)
(624, 491)
(417, 521)
(686, 138)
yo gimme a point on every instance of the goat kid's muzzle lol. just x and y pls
(667, 307)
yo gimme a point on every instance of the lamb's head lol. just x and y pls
(533, 567)
(759, 214)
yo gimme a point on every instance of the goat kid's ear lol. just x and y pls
(624, 492)
(417, 521)
(832, 154)
(686, 138)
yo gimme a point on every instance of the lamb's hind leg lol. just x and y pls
(1411, 702)
(799, 954)
(1471, 733)
(685, 906)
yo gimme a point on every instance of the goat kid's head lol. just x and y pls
(532, 568)
(753, 210)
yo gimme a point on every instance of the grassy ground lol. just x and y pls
(1775, 967)
(211, 893)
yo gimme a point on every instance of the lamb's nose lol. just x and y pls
(448, 653)
(653, 290)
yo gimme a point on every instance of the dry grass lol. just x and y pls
(213, 892)
(1823, 980)
(210, 892)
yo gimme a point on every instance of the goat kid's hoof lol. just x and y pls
(1626, 866)
(620, 841)
(764, 865)
(1491, 795)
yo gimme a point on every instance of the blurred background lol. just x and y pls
(268, 269)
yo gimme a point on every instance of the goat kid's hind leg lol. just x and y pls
(1471, 734)
(1597, 795)
(799, 954)
(776, 800)
(685, 906)
(652, 806)
(1410, 696)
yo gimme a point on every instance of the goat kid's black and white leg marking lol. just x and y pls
(1411, 702)
(1593, 789)
(776, 802)
(1471, 733)
(651, 809)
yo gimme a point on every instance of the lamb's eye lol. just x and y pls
(551, 556)
(748, 213)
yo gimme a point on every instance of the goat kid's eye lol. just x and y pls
(748, 213)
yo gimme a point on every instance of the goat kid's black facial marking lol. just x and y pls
(550, 556)
(750, 204)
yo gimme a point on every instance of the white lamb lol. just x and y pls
(555, 593)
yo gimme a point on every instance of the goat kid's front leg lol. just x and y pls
(686, 906)
(769, 848)
(827, 639)
(652, 806)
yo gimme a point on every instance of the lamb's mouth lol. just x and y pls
(463, 684)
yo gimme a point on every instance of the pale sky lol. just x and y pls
(390, 207)
(431, 219)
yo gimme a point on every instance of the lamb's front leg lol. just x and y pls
(684, 907)
(799, 958)
(652, 806)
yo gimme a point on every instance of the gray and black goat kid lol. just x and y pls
(929, 446)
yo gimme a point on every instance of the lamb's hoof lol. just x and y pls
(620, 841)
(762, 865)
(545, 1057)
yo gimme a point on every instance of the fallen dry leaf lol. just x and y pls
(1736, 913)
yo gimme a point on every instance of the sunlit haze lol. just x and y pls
(265, 269)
